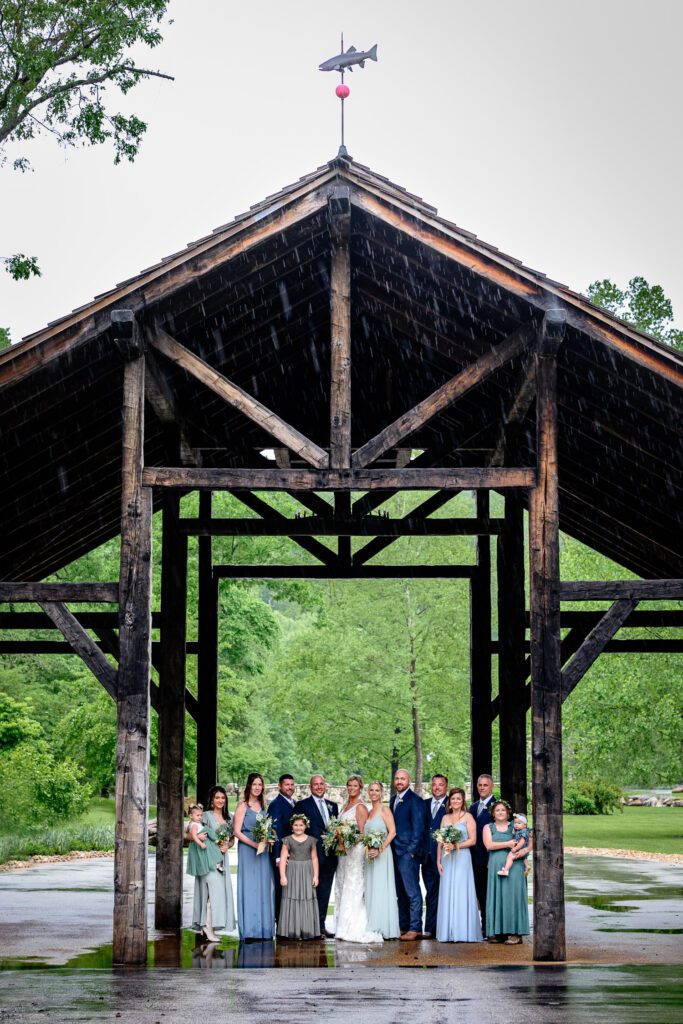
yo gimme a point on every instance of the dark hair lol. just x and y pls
(440, 776)
(283, 778)
(251, 778)
(463, 797)
(209, 800)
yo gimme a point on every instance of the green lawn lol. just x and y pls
(102, 811)
(651, 829)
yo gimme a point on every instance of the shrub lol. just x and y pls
(592, 796)
(35, 778)
(39, 840)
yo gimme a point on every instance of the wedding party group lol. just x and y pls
(470, 861)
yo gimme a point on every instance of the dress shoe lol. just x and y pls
(328, 935)
(410, 936)
(427, 935)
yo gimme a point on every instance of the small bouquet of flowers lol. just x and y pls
(223, 833)
(452, 834)
(340, 836)
(264, 832)
(372, 840)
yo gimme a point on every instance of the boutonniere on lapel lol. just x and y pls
(328, 804)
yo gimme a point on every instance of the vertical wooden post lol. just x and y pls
(340, 324)
(135, 626)
(480, 652)
(207, 661)
(511, 659)
(171, 714)
(546, 666)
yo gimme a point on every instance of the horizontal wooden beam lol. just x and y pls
(440, 399)
(342, 572)
(231, 393)
(89, 620)
(62, 647)
(638, 619)
(498, 478)
(90, 593)
(643, 645)
(614, 590)
(369, 526)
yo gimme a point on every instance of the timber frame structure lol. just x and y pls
(373, 347)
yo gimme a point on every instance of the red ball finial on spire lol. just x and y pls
(342, 91)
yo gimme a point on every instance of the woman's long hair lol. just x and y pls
(251, 778)
(209, 800)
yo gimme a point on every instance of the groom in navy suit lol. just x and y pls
(434, 810)
(408, 811)
(281, 810)
(318, 810)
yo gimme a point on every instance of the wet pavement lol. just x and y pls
(55, 955)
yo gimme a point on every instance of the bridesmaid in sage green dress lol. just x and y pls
(380, 884)
(507, 908)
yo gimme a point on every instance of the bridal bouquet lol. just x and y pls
(340, 836)
(264, 832)
(223, 833)
(372, 840)
(449, 834)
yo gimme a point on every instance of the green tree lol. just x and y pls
(641, 304)
(57, 62)
(17, 724)
(87, 734)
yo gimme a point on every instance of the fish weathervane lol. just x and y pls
(344, 61)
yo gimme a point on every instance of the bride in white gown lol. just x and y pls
(351, 916)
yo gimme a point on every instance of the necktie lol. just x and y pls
(482, 807)
(435, 807)
(323, 811)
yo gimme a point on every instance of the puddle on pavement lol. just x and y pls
(643, 931)
(611, 903)
(187, 950)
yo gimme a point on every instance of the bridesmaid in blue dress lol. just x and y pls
(255, 887)
(457, 916)
(380, 884)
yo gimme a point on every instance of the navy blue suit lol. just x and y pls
(430, 871)
(480, 858)
(407, 848)
(327, 863)
(280, 810)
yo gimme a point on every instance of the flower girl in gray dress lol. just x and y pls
(299, 916)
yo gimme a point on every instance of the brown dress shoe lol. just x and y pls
(410, 936)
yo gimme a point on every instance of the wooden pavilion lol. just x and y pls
(374, 347)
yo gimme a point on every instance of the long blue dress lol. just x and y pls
(457, 916)
(380, 888)
(255, 888)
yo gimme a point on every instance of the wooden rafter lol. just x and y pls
(105, 593)
(165, 407)
(231, 393)
(344, 526)
(440, 399)
(604, 590)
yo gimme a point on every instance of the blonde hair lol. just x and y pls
(356, 778)
(195, 807)
(376, 782)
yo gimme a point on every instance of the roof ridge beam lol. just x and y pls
(444, 396)
(231, 393)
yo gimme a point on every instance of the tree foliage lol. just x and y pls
(641, 304)
(57, 62)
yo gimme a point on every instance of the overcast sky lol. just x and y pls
(552, 130)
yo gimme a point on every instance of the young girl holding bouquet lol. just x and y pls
(299, 917)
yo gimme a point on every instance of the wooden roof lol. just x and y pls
(252, 299)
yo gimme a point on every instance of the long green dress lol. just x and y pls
(507, 909)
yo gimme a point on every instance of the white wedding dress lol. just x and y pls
(351, 918)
